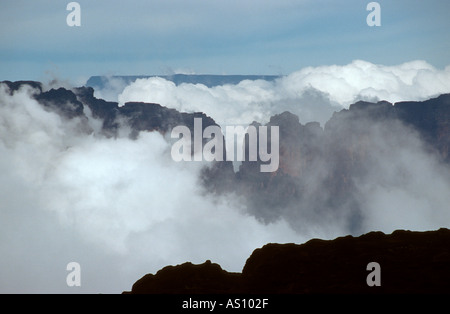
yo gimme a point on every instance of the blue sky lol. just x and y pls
(139, 37)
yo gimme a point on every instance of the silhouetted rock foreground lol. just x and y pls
(410, 262)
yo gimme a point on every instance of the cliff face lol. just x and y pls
(431, 119)
(81, 103)
(320, 169)
(73, 103)
(137, 115)
(410, 262)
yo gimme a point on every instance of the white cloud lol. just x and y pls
(227, 104)
(313, 93)
(416, 80)
(406, 187)
(110, 88)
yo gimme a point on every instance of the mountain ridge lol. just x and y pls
(334, 157)
(410, 262)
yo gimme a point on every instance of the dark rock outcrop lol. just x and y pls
(14, 86)
(138, 116)
(189, 278)
(81, 103)
(410, 262)
(431, 119)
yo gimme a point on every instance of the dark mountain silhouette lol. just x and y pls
(410, 262)
(14, 86)
(138, 116)
(73, 103)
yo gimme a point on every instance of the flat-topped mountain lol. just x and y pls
(209, 80)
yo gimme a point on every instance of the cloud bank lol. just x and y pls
(312, 93)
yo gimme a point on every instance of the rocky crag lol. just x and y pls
(410, 262)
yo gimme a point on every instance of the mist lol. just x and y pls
(356, 176)
(121, 207)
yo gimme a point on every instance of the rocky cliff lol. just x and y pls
(410, 262)
(322, 169)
